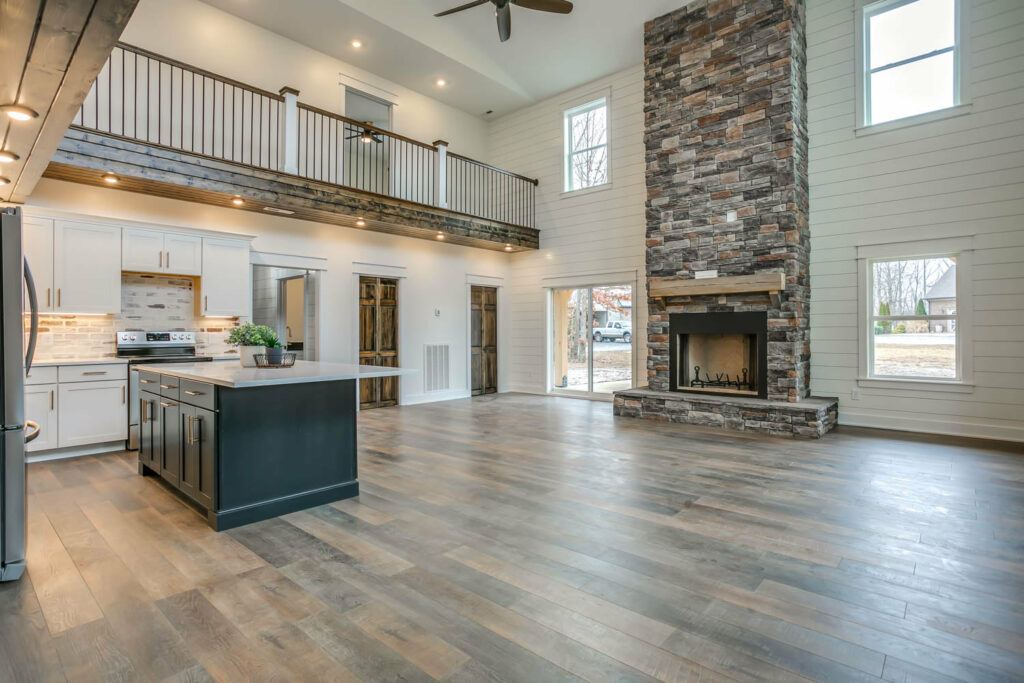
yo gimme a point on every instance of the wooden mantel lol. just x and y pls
(736, 284)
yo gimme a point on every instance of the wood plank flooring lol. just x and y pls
(518, 538)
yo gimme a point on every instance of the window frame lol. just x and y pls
(961, 67)
(590, 103)
(959, 248)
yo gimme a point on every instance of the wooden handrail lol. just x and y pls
(494, 168)
(202, 72)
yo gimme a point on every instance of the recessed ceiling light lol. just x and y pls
(360, 222)
(441, 82)
(357, 44)
(7, 157)
(237, 201)
(112, 179)
(508, 247)
(18, 112)
(5, 181)
(440, 235)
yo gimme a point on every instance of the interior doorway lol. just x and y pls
(378, 339)
(592, 347)
(484, 339)
(285, 300)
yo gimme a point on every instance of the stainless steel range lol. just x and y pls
(151, 347)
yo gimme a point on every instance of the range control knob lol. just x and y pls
(132, 337)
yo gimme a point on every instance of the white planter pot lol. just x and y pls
(246, 353)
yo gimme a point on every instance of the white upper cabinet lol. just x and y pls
(86, 267)
(37, 245)
(183, 254)
(225, 281)
(153, 251)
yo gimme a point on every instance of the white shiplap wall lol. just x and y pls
(954, 177)
(585, 238)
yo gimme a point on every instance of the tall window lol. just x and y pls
(586, 145)
(913, 328)
(910, 58)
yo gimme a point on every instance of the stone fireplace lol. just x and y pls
(728, 245)
(723, 354)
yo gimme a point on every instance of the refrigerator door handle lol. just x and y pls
(33, 303)
(31, 436)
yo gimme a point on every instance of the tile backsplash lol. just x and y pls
(148, 302)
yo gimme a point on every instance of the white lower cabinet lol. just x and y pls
(41, 408)
(92, 412)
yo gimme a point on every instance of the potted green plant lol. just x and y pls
(275, 349)
(250, 340)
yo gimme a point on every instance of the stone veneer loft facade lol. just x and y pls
(726, 131)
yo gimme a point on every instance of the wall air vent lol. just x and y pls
(436, 367)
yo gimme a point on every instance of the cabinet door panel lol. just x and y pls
(225, 280)
(170, 438)
(142, 250)
(189, 475)
(87, 267)
(41, 408)
(37, 244)
(205, 434)
(183, 254)
(92, 412)
(147, 428)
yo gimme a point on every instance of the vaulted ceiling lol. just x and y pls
(403, 42)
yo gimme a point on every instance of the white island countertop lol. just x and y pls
(234, 376)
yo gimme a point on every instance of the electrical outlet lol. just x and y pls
(855, 394)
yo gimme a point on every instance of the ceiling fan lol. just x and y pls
(367, 135)
(503, 11)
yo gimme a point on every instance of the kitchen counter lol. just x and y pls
(248, 444)
(234, 376)
(51, 362)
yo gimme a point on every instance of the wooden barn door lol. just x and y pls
(378, 339)
(484, 339)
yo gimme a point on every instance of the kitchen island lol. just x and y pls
(247, 444)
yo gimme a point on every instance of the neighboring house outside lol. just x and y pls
(941, 300)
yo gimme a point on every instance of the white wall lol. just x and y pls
(203, 36)
(956, 177)
(594, 238)
(434, 275)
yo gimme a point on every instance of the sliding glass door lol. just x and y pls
(592, 348)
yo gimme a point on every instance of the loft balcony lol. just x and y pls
(168, 129)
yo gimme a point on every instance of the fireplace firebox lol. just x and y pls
(719, 353)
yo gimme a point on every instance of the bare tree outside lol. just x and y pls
(588, 148)
(902, 284)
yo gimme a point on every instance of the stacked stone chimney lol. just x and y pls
(726, 153)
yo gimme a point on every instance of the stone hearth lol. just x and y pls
(726, 157)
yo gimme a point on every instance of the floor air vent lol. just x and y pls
(435, 367)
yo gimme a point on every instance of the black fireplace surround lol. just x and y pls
(753, 326)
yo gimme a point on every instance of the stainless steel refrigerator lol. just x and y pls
(15, 360)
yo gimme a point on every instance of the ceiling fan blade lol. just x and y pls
(504, 15)
(468, 5)
(556, 6)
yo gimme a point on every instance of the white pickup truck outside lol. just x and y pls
(613, 331)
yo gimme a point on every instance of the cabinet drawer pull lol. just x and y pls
(95, 372)
(195, 393)
(146, 381)
(168, 386)
(166, 404)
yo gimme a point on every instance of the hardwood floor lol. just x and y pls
(514, 537)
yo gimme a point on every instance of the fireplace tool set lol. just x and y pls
(720, 381)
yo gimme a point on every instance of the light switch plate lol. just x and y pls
(730, 216)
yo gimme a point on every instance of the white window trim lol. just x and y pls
(961, 74)
(962, 248)
(577, 106)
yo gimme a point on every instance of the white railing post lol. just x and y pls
(441, 174)
(289, 152)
